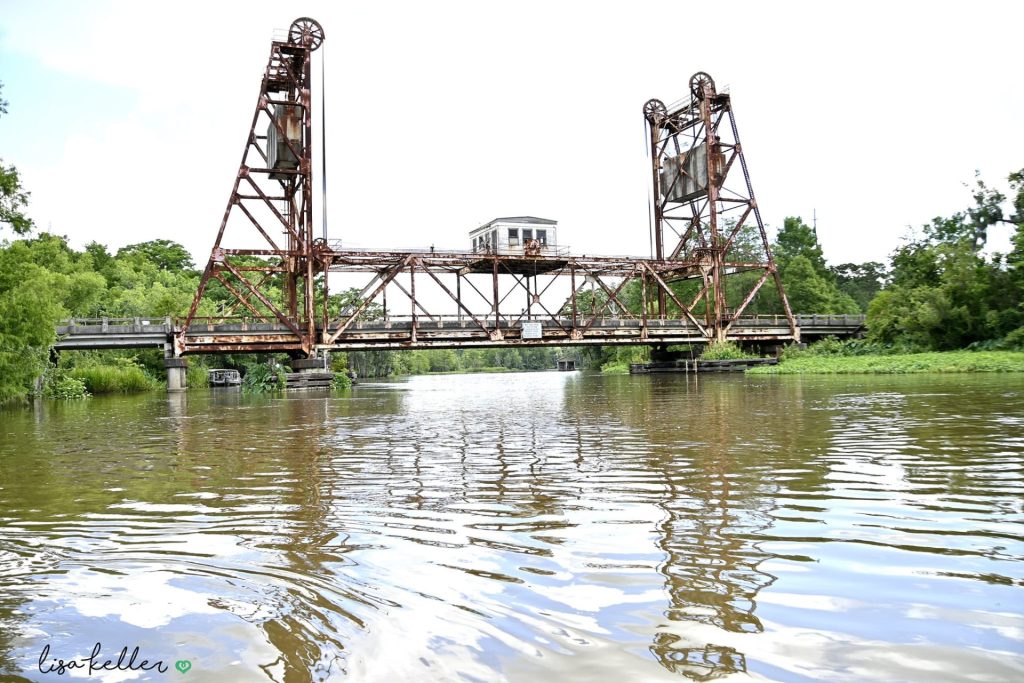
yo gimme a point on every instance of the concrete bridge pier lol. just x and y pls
(309, 373)
(177, 368)
(308, 365)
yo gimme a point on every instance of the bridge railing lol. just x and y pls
(104, 324)
(807, 320)
(547, 250)
(168, 325)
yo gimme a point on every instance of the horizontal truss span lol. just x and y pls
(208, 336)
(486, 290)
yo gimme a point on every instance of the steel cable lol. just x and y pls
(323, 137)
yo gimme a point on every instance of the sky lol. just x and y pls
(127, 120)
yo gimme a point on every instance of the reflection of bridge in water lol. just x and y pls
(719, 501)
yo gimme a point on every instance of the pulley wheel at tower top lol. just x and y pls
(654, 110)
(698, 82)
(307, 32)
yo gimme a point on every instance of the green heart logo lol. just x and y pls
(183, 665)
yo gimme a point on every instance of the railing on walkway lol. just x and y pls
(107, 332)
(212, 323)
(116, 325)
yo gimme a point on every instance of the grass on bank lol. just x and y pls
(197, 376)
(876, 364)
(109, 379)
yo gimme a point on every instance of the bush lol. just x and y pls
(1013, 341)
(724, 351)
(341, 381)
(63, 387)
(339, 362)
(263, 378)
(832, 347)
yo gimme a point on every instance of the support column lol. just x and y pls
(308, 365)
(309, 373)
(177, 369)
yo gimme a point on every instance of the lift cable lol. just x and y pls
(323, 138)
(650, 191)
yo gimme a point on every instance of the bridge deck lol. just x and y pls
(437, 332)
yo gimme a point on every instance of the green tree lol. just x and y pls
(807, 280)
(101, 258)
(347, 301)
(941, 317)
(860, 281)
(164, 254)
(971, 225)
(1015, 259)
(28, 310)
(138, 287)
(79, 288)
(41, 281)
(809, 292)
(13, 197)
(945, 293)
(798, 239)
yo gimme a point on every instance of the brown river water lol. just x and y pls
(521, 527)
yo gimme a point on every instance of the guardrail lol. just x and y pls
(137, 324)
(217, 334)
(518, 250)
(168, 325)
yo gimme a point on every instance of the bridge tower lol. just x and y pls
(705, 213)
(270, 268)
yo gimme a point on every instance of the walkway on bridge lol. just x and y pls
(404, 333)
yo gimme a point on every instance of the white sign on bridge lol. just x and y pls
(533, 331)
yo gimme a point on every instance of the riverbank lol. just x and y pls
(940, 362)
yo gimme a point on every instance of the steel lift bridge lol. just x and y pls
(270, 264)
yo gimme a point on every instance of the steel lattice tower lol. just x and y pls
(700, 208)
(273, 193)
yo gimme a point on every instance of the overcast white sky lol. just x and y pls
(128, 119)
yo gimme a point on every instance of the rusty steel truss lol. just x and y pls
(703, 207)
(273, 192)
(269, 290)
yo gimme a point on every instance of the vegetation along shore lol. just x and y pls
(947, 361)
